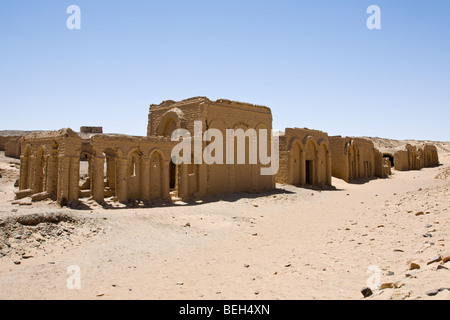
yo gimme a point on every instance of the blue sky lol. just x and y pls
(314, 63)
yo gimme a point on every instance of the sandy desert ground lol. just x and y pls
(293, 243)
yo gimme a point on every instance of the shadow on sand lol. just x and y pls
(109, 204)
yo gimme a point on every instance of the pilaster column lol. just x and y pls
(145, 179)
(302, 168)
(165, 183)
(232, 178)
(203, 179)
(63, 180)
(52, 174)
(32, 177)
(98, 182)
(290, 179)
(74, 179)
(254, 174)
(183, 190)
(316, 171)
(24, 172)
(122, 180)
(329, 173)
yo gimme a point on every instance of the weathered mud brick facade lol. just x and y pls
(414, 158)
(49, 164)
(305, 158)
(123, 167)
(12, 147)
(383, 167)
(356, 158)
(213, 179)
(10, 143)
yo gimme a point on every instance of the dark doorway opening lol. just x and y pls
(390, 157)
(172, 174)
(309, 170)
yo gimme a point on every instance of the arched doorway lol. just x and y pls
(134, 176)
(156, 176)
(390, 157)
(310, 163)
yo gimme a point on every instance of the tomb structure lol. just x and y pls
(118, 166)
(12, 147)
(212, 179)
(305, 158)
(355, 158)
(10, 142)
(416, 158)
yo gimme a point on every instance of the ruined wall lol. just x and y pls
(124, 167)
(86, 129)
(354, 158)
(408, 159)
(49, 163)
(7, 138)
(382, 165)
(3, 141)
(130, 168)
(366, 158)
(430, 156)
(339, 163)
(305, 158)
(416, 158)
(12, 148)
(379, 163)
(401, 160)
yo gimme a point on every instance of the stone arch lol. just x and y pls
(310, 147)
(110, 171)
(157, 176)
(311, 160)
(120, 153)
(390, 157)
(84, 156)
(170, 121)
(134, 174)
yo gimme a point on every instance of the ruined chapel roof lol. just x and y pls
(197, 100)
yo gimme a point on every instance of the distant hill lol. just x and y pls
(8, 133)
(390, 145)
